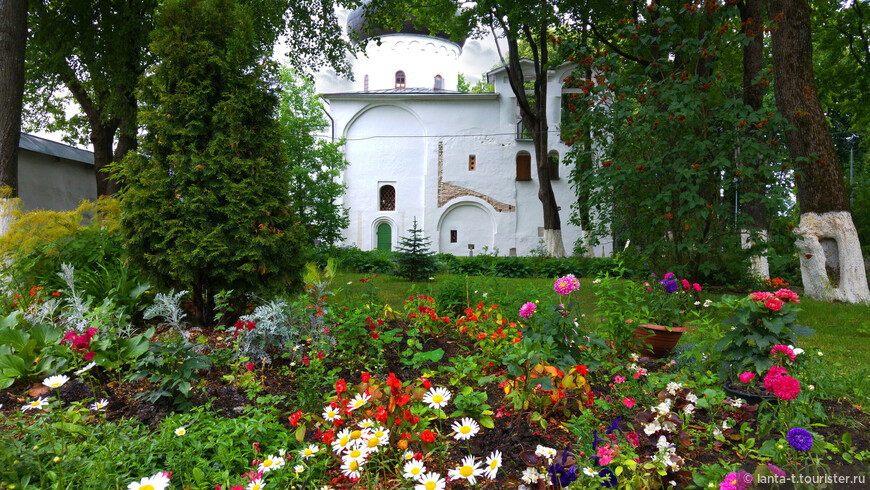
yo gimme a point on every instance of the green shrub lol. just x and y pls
(414, 260)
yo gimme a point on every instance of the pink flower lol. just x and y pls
(787, 295)
(761, 296)
(686, 285)
(772, 375)
(566, 285)
(773, 304)
(250, 366)
(784, 349)
(786, 388)
(619, 379)
(605, 455)
(640, 372)
(746, 377)
(628, 401)
(527, 310)
(697, 287)
(633, 439)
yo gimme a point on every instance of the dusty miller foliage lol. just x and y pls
(78, 305)
(167, 306)
(282, 325)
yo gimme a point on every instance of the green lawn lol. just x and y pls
(842, 330)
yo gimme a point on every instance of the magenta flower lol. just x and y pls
(786, 388)
(746, 377)
(784, 349)
(566, 285)
(697, 287)
(772, 375)
(619, 379)
(527, 310)
(787, 295)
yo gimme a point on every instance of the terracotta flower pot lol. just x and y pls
(658, 339)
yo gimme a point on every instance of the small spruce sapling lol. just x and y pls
(414, 260)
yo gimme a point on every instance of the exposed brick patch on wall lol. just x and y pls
(446, 191)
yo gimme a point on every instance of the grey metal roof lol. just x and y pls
(55, 149)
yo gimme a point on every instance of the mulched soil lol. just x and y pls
(511, 434)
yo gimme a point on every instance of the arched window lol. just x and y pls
(439, 82)
(553, 160)
(400, 79)
(366, 83)
(388, 198)
(524, 166)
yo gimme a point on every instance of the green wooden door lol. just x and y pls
(385, 237)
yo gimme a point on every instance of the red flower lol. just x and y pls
(256, 447)
(365, 377)
(375, 335)
(582, 369)
(340, 386)
(426, 383)
(320, 355)
(633, 439)
(294, 419)
(88, 356)
(329, 436)
(427, 436)
(305, 361)
(394, 382)
(249, 366)
(628, 401)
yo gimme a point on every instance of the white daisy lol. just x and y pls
(39, 404)
(331, 414)
(408, 455)
(358, 453)
(156, 482)
(545, 452)
(414, 470)
(256, 484)
(589, 471)
(531, 475)
(342, 441)
(359, 400)
(55, 381)
(469, 470)
(708, 303)
(309, 451)
(85, 369)
(269, 463)
(180, 431)
(493, 463)
(365, 424)
(351, 468)
(437, 397)
(431, 481)
(466, 429)
(100, 404)
(298, 469)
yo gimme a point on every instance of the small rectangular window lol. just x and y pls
(472, 162)
(453, 237)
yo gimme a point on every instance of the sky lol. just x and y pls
(478, 56)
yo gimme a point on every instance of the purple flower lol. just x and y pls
(800, 439)
(671, 287)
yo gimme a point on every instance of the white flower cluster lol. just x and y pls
(664, 453)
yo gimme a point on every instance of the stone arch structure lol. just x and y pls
(472, 221)
(377, 226)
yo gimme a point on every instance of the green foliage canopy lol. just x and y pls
(207, 203)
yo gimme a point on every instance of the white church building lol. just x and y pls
(458, 162)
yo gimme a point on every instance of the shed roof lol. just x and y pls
(55, 149)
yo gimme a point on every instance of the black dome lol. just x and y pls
(359, 30)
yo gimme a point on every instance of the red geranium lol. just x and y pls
(427, 436)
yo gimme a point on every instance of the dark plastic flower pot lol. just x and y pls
(750, 398)
(658, 340)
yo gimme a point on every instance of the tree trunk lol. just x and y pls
(751, 17)
(102, 137)
(832, 266)
(13, 40)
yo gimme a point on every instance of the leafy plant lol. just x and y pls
(171, 365)
(759, 321)
(22, 350)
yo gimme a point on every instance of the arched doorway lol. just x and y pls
(385, 237)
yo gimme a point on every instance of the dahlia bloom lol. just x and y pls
(566, 285)
(799, 439)
(787, 295)
(761, 296)
(773, 304)
(784, 349)
(527, 310)
(772, 375)
(746, 377)
(786, 388)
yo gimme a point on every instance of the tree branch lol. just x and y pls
(615, 48)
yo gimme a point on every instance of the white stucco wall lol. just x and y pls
(420, 57)
(46, 182)
(395, 138)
